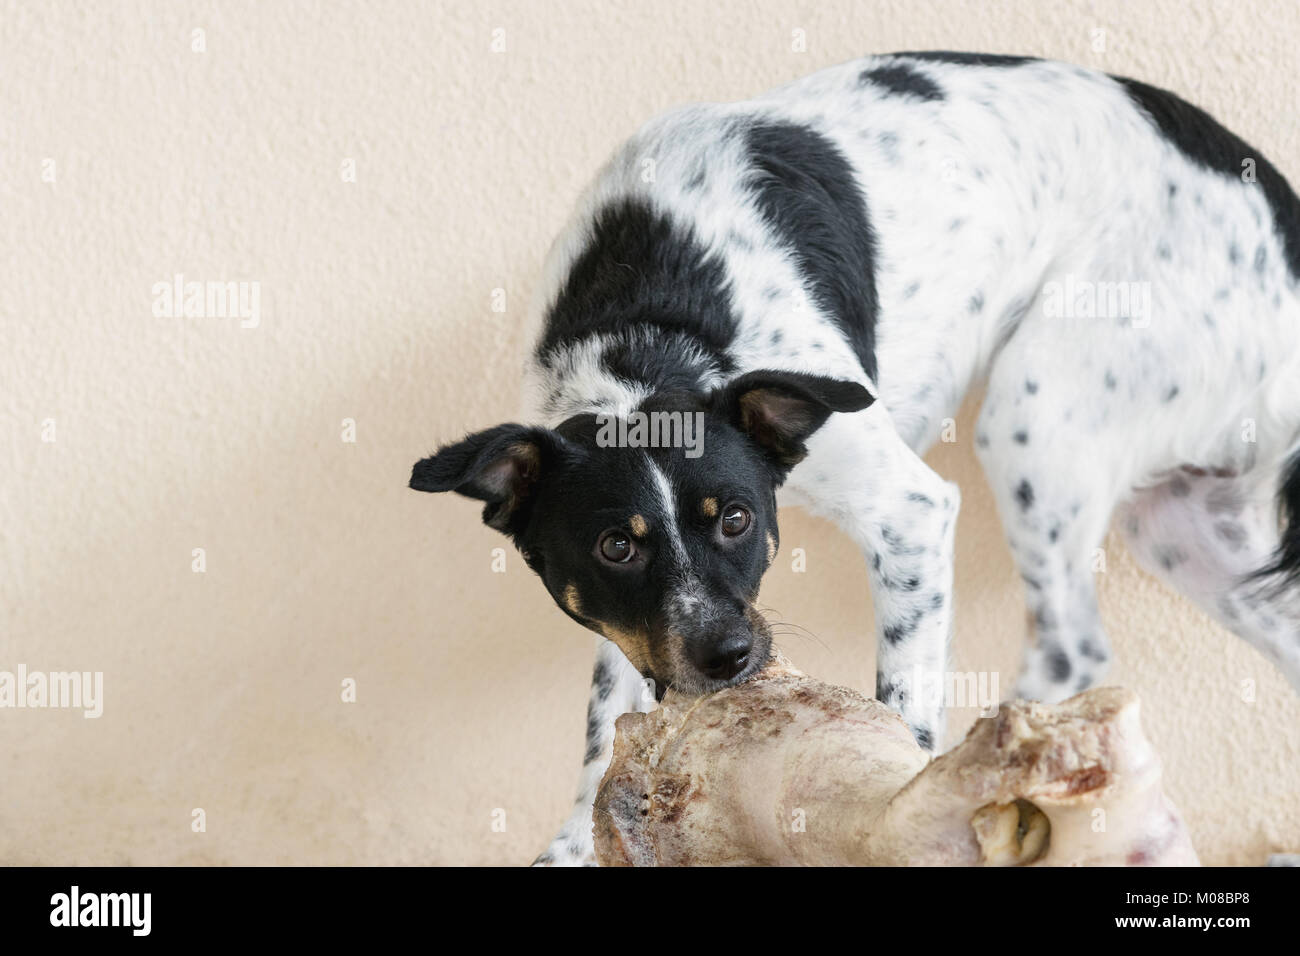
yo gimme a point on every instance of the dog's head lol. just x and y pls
(659, 549)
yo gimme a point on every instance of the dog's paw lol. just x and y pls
(549, 857)
(573, 845)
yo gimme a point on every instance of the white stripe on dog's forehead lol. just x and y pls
(666, 510)
(685, 594)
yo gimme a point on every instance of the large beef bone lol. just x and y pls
(786, 770)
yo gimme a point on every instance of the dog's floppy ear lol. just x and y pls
(779, 410)
(500, 466)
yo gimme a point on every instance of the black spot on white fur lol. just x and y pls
(903, 627)
(1025, 495)
(603, 680)
(1231, 533)
(595, 728)
(903, 80)
(1059, 664)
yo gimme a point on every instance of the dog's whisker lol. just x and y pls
(801, 633)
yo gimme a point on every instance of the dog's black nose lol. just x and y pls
(726, 659)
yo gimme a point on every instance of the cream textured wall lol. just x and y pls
(223, 688)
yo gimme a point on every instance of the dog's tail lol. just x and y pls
(1283, 573)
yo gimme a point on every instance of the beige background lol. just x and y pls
(223, 688)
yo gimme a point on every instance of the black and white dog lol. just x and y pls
(819, 276)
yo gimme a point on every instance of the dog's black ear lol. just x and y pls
(779, 410)
(500, 466)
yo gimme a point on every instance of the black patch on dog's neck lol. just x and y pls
(647, 283)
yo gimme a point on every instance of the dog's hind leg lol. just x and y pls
(1057, 469)
(616, 689)
(1206, 536)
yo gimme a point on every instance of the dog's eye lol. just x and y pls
(616, 547)
(735, 520)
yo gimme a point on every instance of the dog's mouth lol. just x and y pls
(757, 661)
(692, 682)
(696, 684)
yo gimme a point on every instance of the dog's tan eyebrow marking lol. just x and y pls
(709, 507)
(638, 526)
(571, 600)
(771, 548)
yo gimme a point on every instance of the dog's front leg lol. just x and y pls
(616, 689)
(903, 516)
